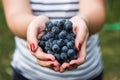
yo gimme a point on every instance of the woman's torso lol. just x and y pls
(27, 64)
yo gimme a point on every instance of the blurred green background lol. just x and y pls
(109, 42)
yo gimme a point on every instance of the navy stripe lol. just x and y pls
(92, 46)
(74, 10)
(54, 3)
(59, 17)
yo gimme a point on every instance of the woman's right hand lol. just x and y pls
(34, 32)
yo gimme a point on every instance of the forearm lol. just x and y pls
(18, 24)
(18, 16)
(93, 12)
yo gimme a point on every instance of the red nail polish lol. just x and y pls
(79, 46)
(32, 47)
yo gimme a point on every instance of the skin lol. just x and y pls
(25, 25)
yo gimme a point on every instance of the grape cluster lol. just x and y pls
(58, 40)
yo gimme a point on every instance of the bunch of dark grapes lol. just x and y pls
(58, 40)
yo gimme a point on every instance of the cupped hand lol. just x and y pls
(34, 32)
(80, 28)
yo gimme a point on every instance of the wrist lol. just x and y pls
(84, 22)
(37, 20)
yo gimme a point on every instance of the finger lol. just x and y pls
(45, 63)
(72, 67)
(34, 28)
(56, 66)
(39, 54)
(64, 66)
(80, 36)
(32, 37)
(74, 27)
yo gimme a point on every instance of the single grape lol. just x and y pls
(66, 41)
(71, 52)
(55, 23)
(54, 42)
(70, 45)
(69, 37)
(55, 48)
(60, 42)
(62, 34)
(60, 24)
(64, 57)
(63, 21)
(64, 49)
(49, 25)
(55, 29)
(45, 37)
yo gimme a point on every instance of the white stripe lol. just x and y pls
(53, 14)
(23, 50)
(54, 7)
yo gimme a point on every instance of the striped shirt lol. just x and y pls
(27, 63)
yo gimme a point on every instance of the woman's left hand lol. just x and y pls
(80, 28)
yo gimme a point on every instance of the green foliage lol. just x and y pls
(113, 11)
(6, 48)
(110, 46)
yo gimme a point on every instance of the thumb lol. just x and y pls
(34, 31)
(32, 44)
(80, 36)
(32, 39)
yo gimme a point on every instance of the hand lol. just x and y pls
(81, 30)
(34, 32)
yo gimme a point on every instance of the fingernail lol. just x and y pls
(32, 47)
(79, 47)
(56, 70)
(61, 71)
